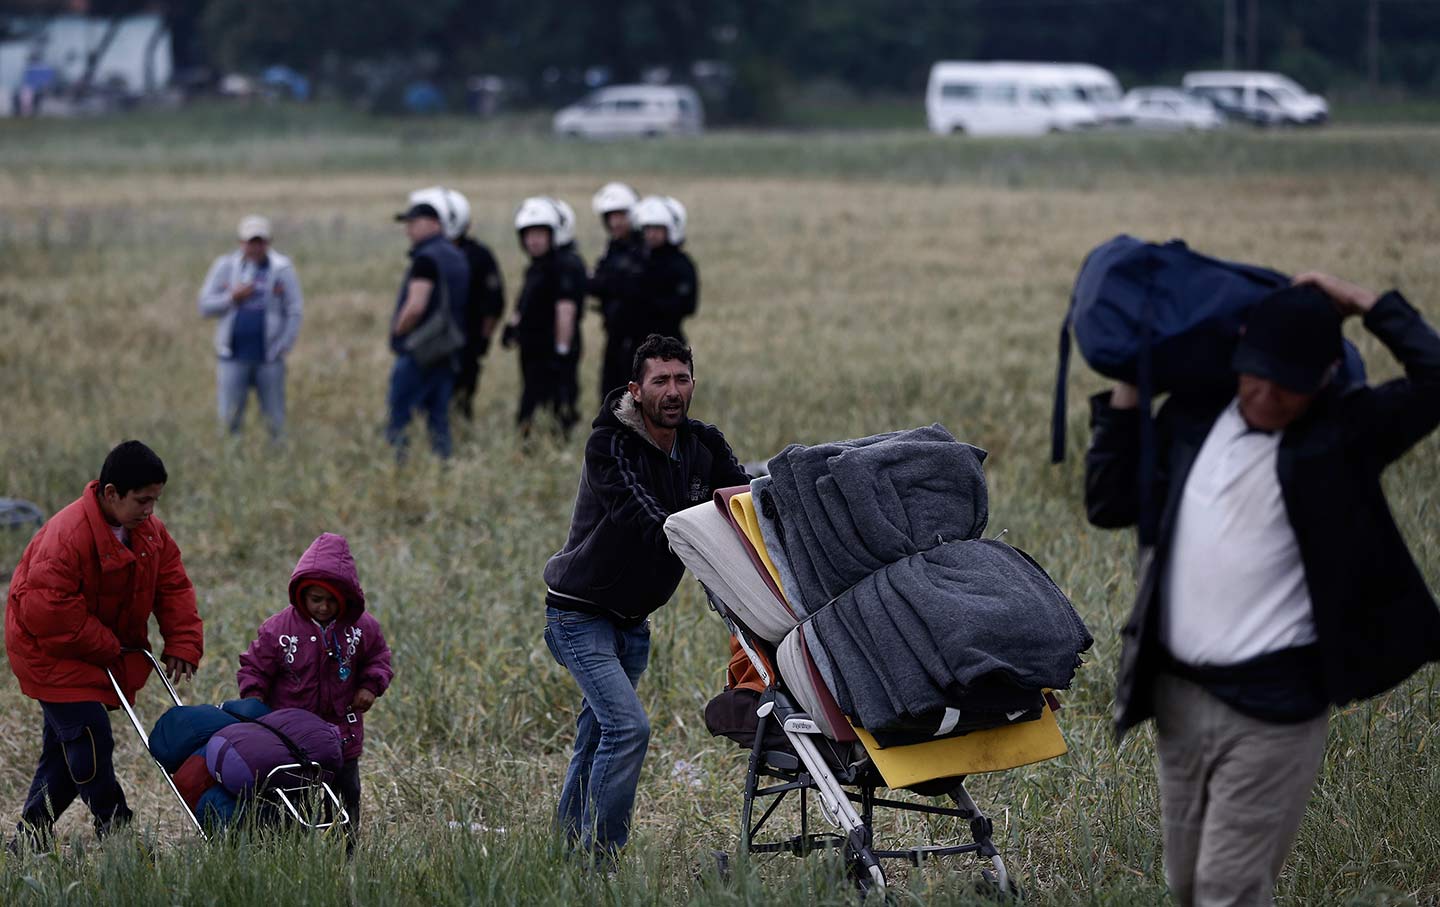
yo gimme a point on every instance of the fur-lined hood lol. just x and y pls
(622, 406)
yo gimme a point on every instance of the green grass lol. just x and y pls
(217, 141)
(851, 284)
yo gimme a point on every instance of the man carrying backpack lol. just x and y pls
(1278, 584)
(425, 331)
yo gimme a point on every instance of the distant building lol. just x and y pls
(133, 57)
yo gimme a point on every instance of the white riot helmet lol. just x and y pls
(613, 197)
(661, 211)
(537, 211)
(565, 233)
(457, 215)
(440, 198)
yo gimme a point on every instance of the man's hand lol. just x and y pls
(363, 700)
(242, 292)
(177, 668)
(1124, 396)
(1350, 299)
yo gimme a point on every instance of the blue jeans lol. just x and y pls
(412, 388)
(76, 755)
(233, 380)
(612, 732)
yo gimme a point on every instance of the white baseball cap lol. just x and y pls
(253, 226)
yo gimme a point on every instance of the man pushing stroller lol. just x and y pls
(645, 459)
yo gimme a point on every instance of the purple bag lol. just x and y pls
(242, 755)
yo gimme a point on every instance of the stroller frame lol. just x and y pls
(837, 790)
(270, 790)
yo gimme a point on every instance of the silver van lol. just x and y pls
(633, 110)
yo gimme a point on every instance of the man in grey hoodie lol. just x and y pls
(256, 295)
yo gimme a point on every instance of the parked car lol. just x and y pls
(1004, 99)
(1262, 98)
(633, 110)
(1168, 108)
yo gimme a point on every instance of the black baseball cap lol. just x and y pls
(1292, 337)
(419, 210)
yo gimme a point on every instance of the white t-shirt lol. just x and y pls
(1234, 587)
(122, 535)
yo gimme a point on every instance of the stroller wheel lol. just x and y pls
(722, 865)
(989, 887)
(864, 871)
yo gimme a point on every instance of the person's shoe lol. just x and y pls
(33, 838)
(118, 820)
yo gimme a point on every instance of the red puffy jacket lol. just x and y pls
(79, 596)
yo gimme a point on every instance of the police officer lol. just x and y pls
(434, 288)
(484, 304)
(669, 287)
(616, 281)
(546, 321)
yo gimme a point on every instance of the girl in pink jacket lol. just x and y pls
(324, 653)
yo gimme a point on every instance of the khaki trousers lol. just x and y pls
(1233, 790)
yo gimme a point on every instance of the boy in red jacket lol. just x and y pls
(83, 592)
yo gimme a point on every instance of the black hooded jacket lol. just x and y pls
(617, 561)
(1375, 619)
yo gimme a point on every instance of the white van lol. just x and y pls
(633, 110)
(1004, 99)
(1095, 85)
(1262, 98)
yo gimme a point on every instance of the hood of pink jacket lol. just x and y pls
(328, 558)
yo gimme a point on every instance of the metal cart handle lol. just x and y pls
(140, 728)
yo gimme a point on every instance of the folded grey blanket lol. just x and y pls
(767, 514)
(972, 625)
(847, 509)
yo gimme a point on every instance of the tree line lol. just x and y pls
(551, 50)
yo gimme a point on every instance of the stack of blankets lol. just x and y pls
(918, 626)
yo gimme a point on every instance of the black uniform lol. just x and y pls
(485, 300)
(546, 376)
(615, 284)
(669, 291)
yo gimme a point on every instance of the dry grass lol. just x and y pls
(830, 308)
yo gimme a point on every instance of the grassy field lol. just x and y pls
(851, 284)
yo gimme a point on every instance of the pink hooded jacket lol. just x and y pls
(296, 663)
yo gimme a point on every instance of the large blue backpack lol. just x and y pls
(1165, 319)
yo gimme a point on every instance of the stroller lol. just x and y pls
(295, 792)
(804, 745)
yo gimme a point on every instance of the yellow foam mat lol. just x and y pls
(742, 507)
(981, 751)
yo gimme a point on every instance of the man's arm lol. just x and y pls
(53, 609)
(615, 482)
(1389, 419)
(493, 285)
(1112, 463)
(417, 298)
(294, 303)
(215, 293)
(726, 471)
(565, 310)
(176, 613)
